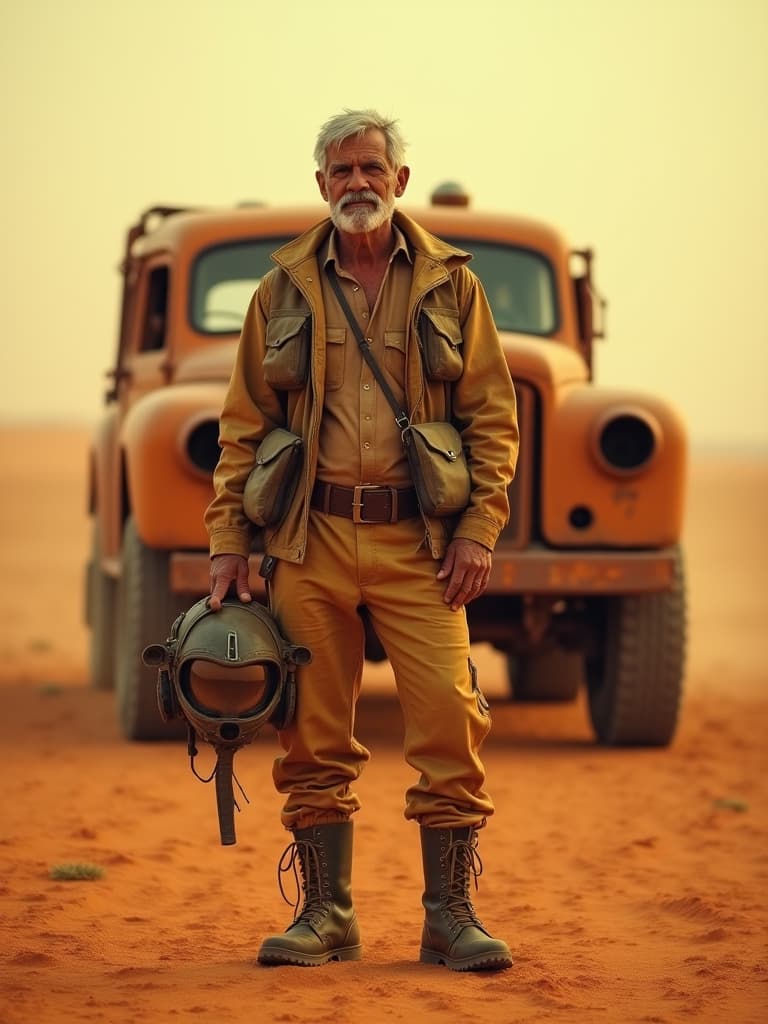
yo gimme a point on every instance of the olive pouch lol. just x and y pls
(439, 468)
(286, 360)
(440, 341)
(272, 482)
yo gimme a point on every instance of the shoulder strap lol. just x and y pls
(401, 416)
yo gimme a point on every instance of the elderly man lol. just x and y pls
(355, 536)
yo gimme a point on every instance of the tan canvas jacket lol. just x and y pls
(483, 398)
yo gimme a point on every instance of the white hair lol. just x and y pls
(358, 122)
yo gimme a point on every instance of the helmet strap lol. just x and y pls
(224, 775)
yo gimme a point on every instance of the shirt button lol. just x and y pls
(355, 288)
(366, 445)
(368, 417)
(366, 387)
(365, 316)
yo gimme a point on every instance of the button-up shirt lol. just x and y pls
(359, 439)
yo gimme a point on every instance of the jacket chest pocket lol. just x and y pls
(335, 353)
(286, 360)
(440, 342)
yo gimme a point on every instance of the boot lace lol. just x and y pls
(462, 862)
(302, 860)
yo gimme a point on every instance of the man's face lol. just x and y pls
(360, 184)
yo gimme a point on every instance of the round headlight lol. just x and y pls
(626, 441)
(200, 444)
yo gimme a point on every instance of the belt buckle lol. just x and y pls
(358, 501)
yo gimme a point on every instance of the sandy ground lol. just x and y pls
(630, 884)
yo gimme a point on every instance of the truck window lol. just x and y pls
(519, 283)
(224, 279)
(153, 328)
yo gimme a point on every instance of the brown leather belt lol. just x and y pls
(367, 503)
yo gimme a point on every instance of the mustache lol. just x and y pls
(365, 196)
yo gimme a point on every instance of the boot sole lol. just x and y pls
(486, 962)
(281, 957)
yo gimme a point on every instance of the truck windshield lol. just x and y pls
(224, 279)
(519, 283)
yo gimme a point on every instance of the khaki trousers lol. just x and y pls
(385, 567)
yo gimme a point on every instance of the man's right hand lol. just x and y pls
(226, 569)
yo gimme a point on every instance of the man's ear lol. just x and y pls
(320, 179)
(402, 180)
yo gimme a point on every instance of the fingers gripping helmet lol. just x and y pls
(228, 673)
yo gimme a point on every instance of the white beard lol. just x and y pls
(360, 220)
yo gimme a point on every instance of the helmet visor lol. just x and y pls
(227, 691)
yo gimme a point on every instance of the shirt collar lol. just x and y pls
(400, 246)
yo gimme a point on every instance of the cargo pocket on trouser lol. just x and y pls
(482, 701)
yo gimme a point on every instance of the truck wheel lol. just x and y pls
(100, 600)
(635, 682)
(548, 675)
(146, 610)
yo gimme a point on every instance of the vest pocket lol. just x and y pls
(440, 342)
(286, 360)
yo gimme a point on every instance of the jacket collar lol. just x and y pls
(420, 241)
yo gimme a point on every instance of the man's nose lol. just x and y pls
(357, 180)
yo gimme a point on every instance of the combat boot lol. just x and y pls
(452, 933)
(326, 926)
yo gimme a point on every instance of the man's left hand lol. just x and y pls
(467, 567)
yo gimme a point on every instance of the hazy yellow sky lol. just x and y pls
(638, 128)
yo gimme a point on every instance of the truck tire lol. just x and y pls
(146, 610)
(548, 675)
(635, 682)
(100, 610)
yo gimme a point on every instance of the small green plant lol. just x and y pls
(76, 872)
(50, 689)
(730, 803)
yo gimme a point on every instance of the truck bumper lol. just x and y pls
(533, 571)
(544, 571)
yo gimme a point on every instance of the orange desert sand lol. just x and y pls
(630, 884)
